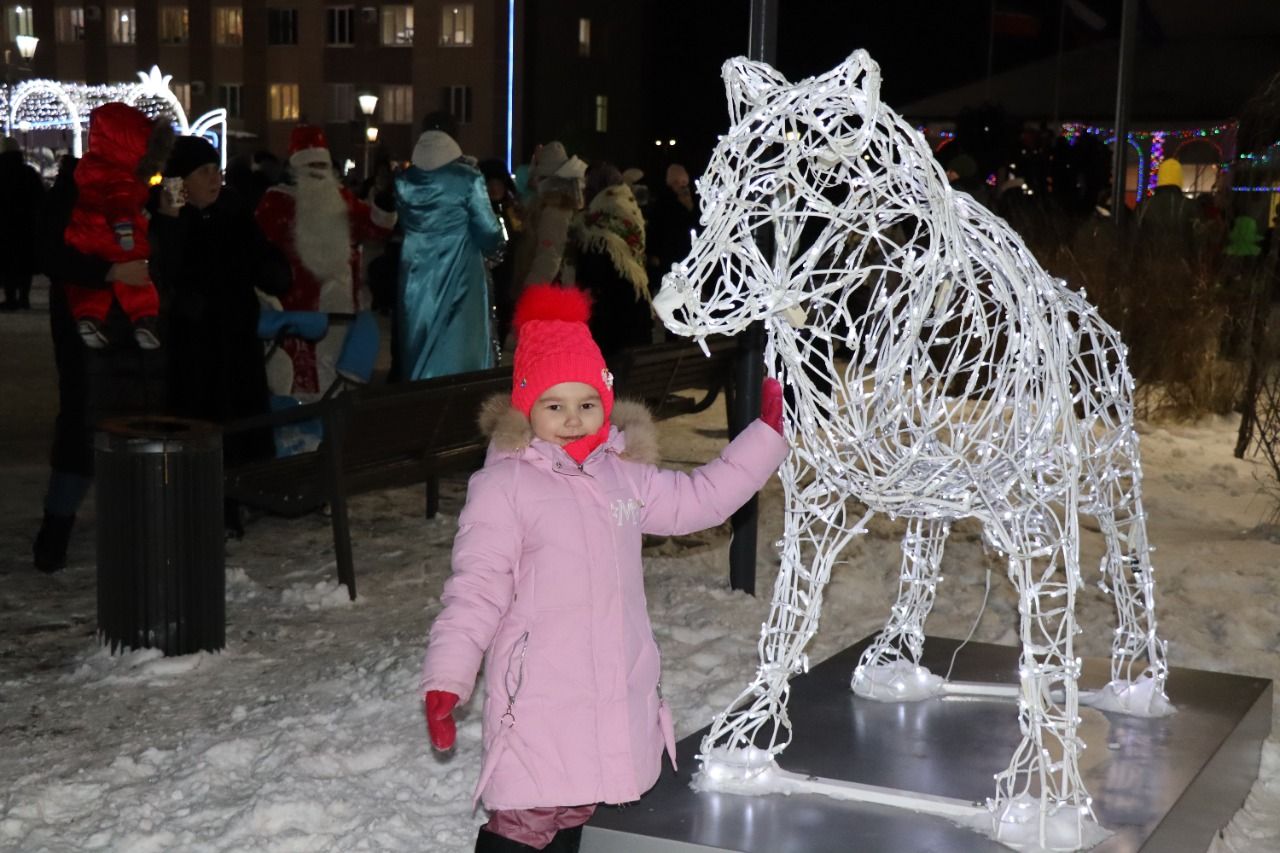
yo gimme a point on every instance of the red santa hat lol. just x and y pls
(554, 345)
(307, 145)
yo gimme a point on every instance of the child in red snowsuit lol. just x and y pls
(109, 221)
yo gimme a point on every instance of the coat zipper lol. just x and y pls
(508, 718)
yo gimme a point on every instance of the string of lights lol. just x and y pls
(50, 104)
(935, 372)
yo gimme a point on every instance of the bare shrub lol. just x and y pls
(1166, 305)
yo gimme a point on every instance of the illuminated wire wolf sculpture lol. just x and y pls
(934, 372)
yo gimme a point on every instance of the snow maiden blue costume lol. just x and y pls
(449, 228)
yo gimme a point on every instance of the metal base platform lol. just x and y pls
(1165, 784)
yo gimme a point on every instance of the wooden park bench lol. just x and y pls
(378, 437)
(390, 436)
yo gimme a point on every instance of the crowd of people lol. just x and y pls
(175, 289)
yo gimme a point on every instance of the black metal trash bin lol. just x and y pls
(161, 564)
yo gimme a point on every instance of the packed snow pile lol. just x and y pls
(307, 733)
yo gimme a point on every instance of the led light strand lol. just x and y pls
(935, 372)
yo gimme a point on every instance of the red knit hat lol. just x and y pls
(307, 144)
(553, 345)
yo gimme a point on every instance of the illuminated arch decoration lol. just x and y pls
(1152, 144)
(976, 386)
(39, 104)
(16, 118)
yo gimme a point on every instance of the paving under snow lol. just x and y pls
(306, 733)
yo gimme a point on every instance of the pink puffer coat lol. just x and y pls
(548, 589)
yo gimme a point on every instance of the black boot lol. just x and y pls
(566, 841)
(488, 842)
(50, 549)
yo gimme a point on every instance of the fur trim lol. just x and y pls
(505, 425)
(632, 418)
(510, 431)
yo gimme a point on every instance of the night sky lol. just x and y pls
(922, 48)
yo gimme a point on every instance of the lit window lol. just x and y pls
(458, 101)
(121, 25)
(231, 97)
(228, 26)
(69, 24)
(395, 104)
(397, 26)
(284, 101)
(602, 113)
(584, 37)
(342, 102)
(340, 25)
(174, 25)
(20, 21)
(457, 25)
(282, 26)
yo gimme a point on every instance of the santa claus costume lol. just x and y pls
(319, 225)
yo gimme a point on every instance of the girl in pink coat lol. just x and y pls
(547, 589)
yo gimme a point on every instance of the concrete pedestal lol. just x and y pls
(1165, 784)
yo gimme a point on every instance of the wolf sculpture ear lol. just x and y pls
(861, 76)
(745, 84)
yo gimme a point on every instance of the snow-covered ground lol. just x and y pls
(306, 733)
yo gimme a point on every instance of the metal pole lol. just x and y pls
(1057, 65)
(366, 146)
(991, 51)
(1124, 97)
(749, 366)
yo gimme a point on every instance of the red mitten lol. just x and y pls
(440, 723)
(771, 404)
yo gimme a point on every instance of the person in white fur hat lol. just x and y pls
(557, 178)
(319, 225)
(449, 230)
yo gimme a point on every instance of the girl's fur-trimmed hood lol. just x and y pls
(510, 431)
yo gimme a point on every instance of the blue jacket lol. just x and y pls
(449, 228)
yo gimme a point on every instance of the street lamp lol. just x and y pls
(13, 70)
(27, 46)
(368, 103)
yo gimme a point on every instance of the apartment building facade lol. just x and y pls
(275, 63)
(514, 73)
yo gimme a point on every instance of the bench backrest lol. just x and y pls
(414, 422)
(653, 373)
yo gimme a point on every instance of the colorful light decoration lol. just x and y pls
(1154, 161)
(50, 104)
(978, 387)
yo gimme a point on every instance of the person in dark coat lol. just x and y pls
(609, 248)
(21, 189)
(118, 380)
(1167, 219)
(209, 257)
(507, 207)
(673, 215)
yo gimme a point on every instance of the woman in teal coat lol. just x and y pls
(449, 229)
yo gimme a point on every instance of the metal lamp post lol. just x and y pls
(368, 103)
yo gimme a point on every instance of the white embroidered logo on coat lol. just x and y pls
(626, 510)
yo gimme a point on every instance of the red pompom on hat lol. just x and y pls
(307, 144)
(553, 345)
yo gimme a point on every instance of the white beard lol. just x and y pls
(321, 229)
